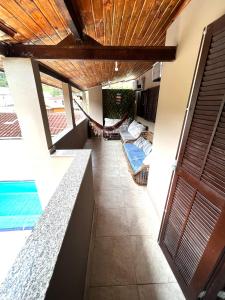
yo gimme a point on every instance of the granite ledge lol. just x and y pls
(32, 271)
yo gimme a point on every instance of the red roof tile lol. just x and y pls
(9, 125)
(7, 129)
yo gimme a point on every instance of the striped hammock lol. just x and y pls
(98, 128)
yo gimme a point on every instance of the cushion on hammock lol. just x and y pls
(135, 156)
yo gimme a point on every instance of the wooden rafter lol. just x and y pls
(7, 30)
(67, 41)
(72, 17)
(4, 49)
(90, 52)
(71, 41)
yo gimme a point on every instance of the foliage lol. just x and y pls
(113, 109)
(3, 81)
(53, 91)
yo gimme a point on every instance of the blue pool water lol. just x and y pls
(20, 206)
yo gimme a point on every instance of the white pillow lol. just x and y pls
(147, 148)
(147, 159)
(139, 142)
(136, 130)
(132, 124)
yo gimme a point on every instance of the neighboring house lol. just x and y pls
(9, 125)
(54, 104)
(10, 128)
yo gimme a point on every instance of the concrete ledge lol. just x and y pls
(52, 264)
(61, 134)
(81, 121)
(74, 138)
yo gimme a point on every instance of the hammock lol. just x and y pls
(97, 127)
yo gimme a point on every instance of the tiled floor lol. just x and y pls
(126, 262)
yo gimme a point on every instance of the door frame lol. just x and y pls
(214, 283)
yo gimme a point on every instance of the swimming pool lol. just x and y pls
(20, 206)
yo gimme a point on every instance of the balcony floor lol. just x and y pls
(125, 260)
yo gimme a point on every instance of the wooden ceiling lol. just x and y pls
(109, 22)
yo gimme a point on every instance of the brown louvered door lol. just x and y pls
(192, 234)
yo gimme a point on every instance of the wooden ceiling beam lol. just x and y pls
(90, 52)
(70, 41)
(72, 16)
(7, 30)
(4, 49)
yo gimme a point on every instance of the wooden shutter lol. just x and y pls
(192, 234)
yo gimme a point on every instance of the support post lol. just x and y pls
(25, 86)
(68, 102)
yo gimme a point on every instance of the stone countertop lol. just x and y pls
(31, 273)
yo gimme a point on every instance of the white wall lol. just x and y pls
(186, 32)
(147, 85)
(94, 97)
(32, 152)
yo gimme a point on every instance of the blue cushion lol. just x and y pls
(135, 156)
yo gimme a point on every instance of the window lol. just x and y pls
(9, 125)
(54, 103)
(79, 97)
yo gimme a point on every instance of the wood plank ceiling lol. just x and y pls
(110, 22)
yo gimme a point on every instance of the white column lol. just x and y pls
(68, 102)
(95, 103)
(25, 86)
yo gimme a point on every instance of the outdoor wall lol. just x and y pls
(147, 85)
(95, 103)
(186, 32)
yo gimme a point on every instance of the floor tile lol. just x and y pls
(113, 261)
(114, 293)
(150, 263)
(110, 198)
(169, 291)
(114, 182)
(140, 222)
(135, 198)
(111, 222)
